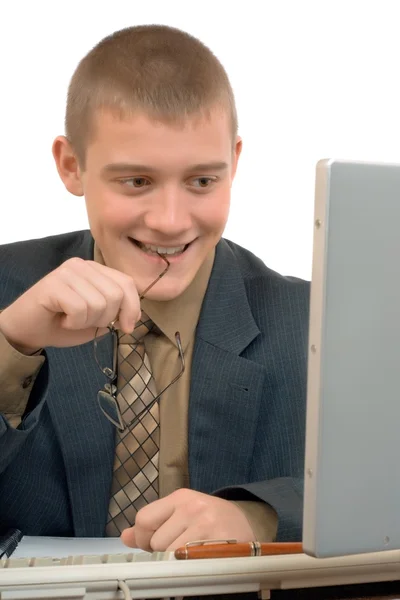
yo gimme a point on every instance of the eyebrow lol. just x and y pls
(129, 168)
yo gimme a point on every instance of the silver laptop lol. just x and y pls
(352, 466)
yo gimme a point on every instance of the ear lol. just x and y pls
(236, 154)
(67, 165)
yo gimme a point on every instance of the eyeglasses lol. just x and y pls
(107, 397)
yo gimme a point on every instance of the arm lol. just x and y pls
(53, 313)
(21, 398)
(262, 519)
(18, 373)
(283, 494)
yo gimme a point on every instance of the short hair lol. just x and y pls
(163, 71)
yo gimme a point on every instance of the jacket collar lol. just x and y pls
(226, 320)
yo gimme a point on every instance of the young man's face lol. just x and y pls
(155, 187)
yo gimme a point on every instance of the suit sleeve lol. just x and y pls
(18, 373)
(284, 495)
(22, 390)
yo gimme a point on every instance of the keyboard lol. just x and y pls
(90, 559)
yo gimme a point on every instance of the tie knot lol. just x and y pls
(143, 327)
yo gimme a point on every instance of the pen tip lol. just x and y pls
(180, 553)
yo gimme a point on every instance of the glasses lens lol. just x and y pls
(109, 408)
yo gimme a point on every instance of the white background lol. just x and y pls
(313, 79)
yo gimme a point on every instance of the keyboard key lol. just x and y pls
(46, 562)
(85, 560)
(13, 563)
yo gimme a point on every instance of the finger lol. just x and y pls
(109, 289)
(150, 518)
(170, 530)
(129, 310)
(190, 534)
(117, 290)
(141, 537)
(96, 304)
(153, 515)
(70, 307)
(68, 302)
(128, 537)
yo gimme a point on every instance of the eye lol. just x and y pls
(203, 182)
(135, 182)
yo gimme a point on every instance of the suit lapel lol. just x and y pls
(225, 387)
(87, 438)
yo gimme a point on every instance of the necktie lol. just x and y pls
(135, 478)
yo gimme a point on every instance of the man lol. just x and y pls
(152, 373)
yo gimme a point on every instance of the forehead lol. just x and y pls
(145, 140)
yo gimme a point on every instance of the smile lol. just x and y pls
(164, 250)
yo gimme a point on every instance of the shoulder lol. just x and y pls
(278, 304)
(52, 250)
(23, 263)
(280, 308)
(261, 281)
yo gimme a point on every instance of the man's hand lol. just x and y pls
(185, 516)
(67, 306)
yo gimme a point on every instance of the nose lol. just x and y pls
(169, 212)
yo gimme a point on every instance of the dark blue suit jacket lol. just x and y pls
(246, 411)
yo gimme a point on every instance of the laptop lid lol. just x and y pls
(352, 464)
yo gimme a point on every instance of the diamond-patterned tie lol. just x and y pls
(135, 478)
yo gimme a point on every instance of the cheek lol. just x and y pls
(117, 215)
(109, 211)
(214, 213)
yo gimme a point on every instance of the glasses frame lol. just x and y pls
(110, 389)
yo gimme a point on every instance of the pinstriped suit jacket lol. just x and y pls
(246, 410)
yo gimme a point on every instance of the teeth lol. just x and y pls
(162, 249)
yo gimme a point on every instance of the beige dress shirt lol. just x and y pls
(18, 373)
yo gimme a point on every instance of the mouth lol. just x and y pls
(168, 251)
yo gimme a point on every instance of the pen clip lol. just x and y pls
(204, 542)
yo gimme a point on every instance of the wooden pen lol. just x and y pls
(231, 550)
